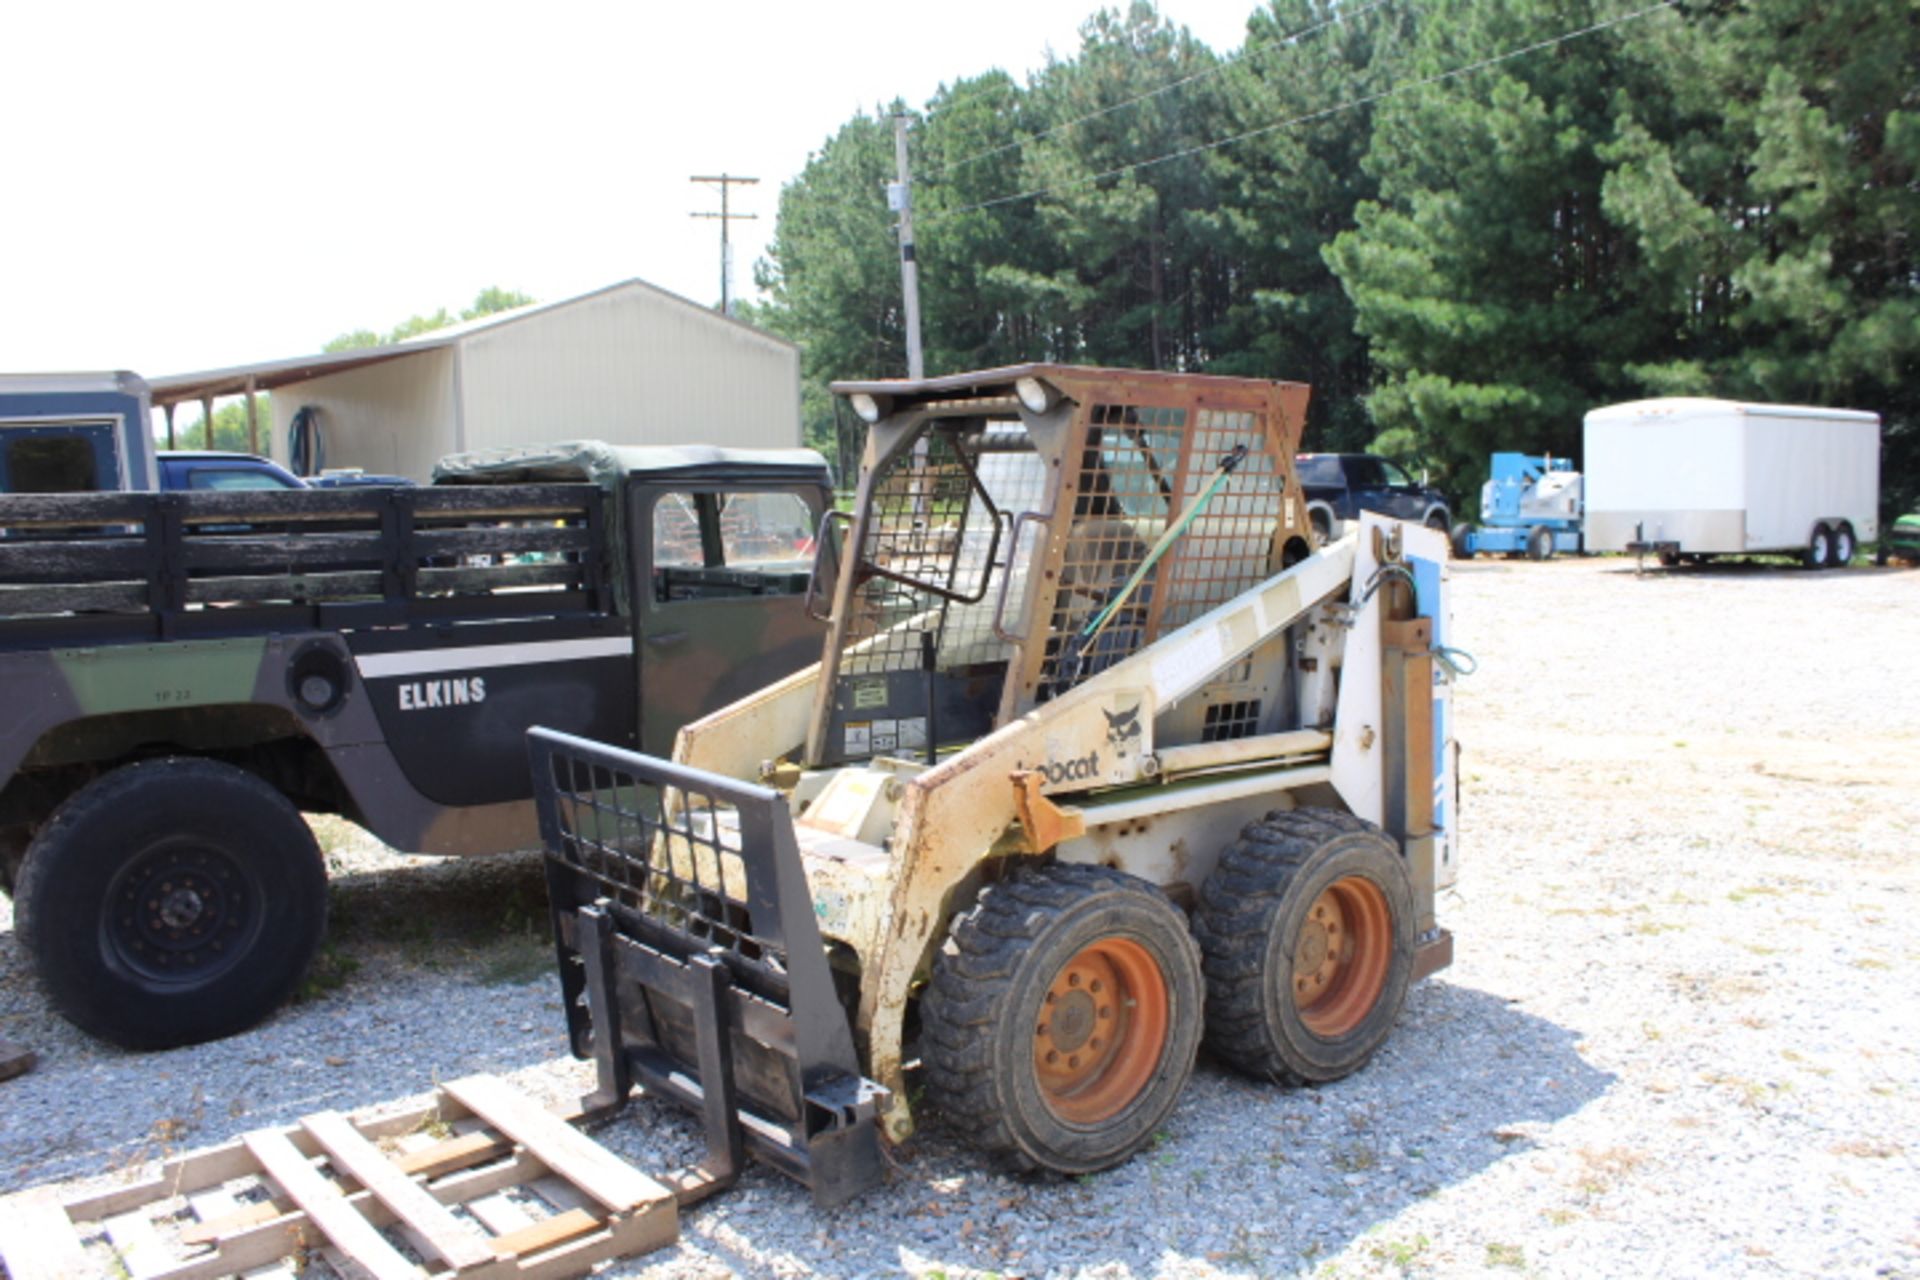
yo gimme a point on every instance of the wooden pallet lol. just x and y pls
(480, 1184)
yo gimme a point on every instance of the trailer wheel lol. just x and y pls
(1540, 543)
(1819, 553)
(1063, 1018)
(1844, 545)
(1462, 539)
(171, 902)
(1306, 924)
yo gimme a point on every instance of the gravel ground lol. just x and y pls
(1679, 1037)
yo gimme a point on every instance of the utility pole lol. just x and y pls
(726, 183)
(900, 200)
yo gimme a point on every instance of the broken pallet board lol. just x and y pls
(15, 1059)
(480, 1184)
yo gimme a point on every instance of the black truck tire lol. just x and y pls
(171, 902)
(1306, 924)
(1063, 1021)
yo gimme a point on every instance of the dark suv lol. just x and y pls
(214, 469)
(1339, 486)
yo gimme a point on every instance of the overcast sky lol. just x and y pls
(197, 185)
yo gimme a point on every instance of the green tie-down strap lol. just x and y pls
(1089, 633)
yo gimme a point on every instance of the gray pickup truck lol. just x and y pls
(185, 674)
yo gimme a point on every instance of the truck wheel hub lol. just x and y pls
(179, 914)
(181, 908)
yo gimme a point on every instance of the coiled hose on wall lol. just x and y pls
(306, 444)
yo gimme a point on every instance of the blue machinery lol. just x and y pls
(1531, 504)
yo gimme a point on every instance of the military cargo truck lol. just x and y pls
(185, 674)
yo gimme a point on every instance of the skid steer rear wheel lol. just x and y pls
(1063, 1017)
(1307, 929)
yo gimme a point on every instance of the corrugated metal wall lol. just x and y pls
(395, 418)
(629, 365)
(633, 365)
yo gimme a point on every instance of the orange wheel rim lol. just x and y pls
(1341, 957)
(1101, 1031)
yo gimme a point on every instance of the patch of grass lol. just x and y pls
(1603, 1167)
(332, 969)
(1354, 1157)
(1868, 962)
(1753, 891)
(515, 962)
(1654, 928)
(1506, 1255)
(1752, 1093)
(1398, 1253)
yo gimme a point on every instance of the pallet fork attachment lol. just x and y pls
(692, 964)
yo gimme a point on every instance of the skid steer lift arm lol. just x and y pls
(692, 964)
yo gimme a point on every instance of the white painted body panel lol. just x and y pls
(1723, 477)
(1357, 745)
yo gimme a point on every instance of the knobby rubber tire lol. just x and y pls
(89, 907)
(1249, 918)
(1462, 540)
(1540, 543)
(979, 1014)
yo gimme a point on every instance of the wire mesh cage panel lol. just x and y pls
(926, 542)
(672, 853)
(1175, 510)
(1014, 477)
(1229, 546)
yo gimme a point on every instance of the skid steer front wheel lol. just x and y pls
(1306, 924)
(1063, 1017)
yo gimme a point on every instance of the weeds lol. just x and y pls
(1506, 1255)
(1398, 1253)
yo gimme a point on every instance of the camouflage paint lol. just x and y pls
(159, 677)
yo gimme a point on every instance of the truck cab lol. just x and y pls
(75, 433)
(194, 668)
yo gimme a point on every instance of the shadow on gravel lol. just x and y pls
(1779, 568)
(1246, 1176)
(428, 984)
(431, 970)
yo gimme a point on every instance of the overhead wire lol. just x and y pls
(1305, 117)
(1245, 51)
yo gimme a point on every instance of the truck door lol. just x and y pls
(1367, 479)
(1403, 497)
(719, 596)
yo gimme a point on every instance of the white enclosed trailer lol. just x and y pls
(1697, 477)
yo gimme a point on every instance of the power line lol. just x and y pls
(1306, 118)
(1244, 52)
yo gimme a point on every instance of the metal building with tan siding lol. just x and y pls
(628, 364)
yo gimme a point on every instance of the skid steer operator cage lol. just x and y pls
(691, 961)
(1018, 531)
